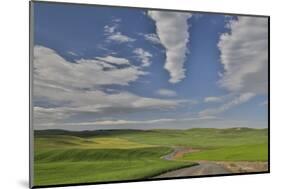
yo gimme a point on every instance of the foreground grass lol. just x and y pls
(63, 157)
(84, 172)
(97, 165)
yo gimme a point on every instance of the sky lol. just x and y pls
(98, 67)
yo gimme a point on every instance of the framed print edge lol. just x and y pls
(31, 116)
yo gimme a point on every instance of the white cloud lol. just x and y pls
(234, 102)
(79, 102)
(48, 115)
(166, 92)
(63, 89)
(113, 35)
(51, 68)
(152, 38)
(157, 103)
(172, 30)
(143, 56)
(120, 38)
(136, 122)
(163, 123)
(98, 101)
(110, 29)
(125, 122)
(72, 53)
(244, 55)
(213, 99)
(114, 60)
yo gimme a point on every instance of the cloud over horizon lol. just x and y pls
(226, 106)
(181, 123)
(71, 88)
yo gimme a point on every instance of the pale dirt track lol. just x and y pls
(201, 169)
(209, 167)
(204, 168)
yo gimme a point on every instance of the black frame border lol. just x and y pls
(138, 180)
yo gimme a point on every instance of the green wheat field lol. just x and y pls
(65, 157)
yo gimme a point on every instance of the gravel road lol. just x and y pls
(201, 169)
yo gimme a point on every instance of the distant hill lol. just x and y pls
(109, 132)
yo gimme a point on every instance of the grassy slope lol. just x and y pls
(64, 159)
(257, 152)
(201, 138)
(94, 165)
(235, 144)
(69, 157)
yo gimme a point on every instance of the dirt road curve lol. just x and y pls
(179, 152)
(201, 169)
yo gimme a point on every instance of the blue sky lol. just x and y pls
(101, 67)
